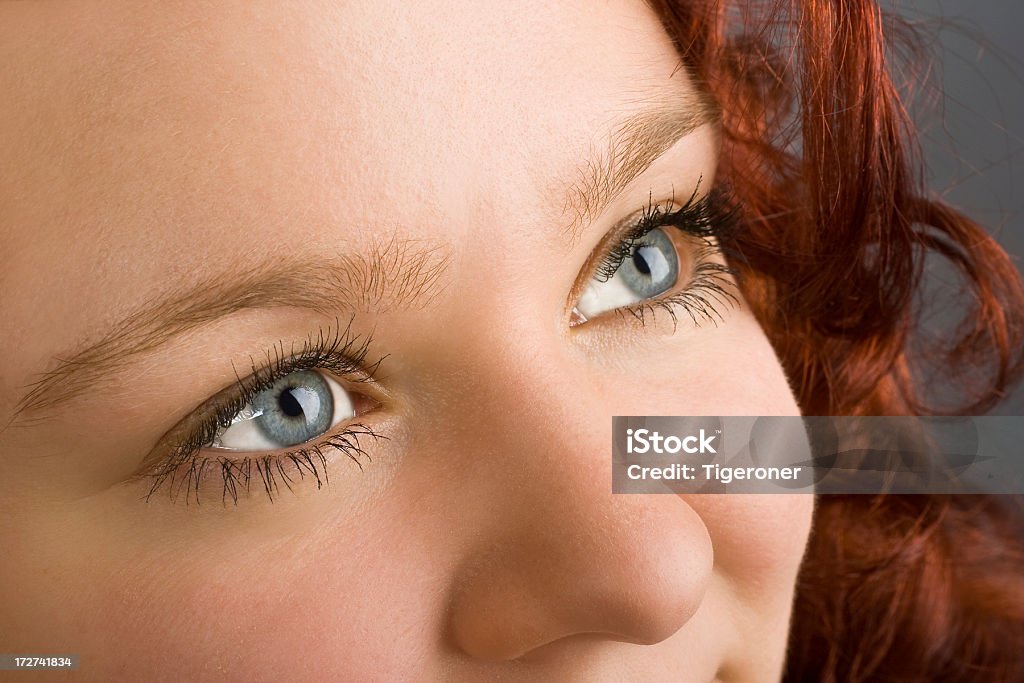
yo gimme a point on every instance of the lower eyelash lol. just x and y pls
(712, 286)
(274, 472)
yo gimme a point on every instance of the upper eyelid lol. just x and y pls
(600, 253)
(411, 270)
(635, 145)
(622, 230)
(702, 216)
(391, 274)
(638, 225)
(180, 440)
(234, 396)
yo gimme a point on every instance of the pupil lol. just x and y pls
(290, 406)
(640, 263)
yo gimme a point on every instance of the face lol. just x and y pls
(315, 317)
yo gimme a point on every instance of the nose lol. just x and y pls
(560, 555)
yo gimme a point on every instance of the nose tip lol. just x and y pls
(638, 578)
(546, 552)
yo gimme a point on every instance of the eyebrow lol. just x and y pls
(392, 275)
(631, 148)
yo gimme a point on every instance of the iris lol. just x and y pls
(294, 409)
(653, 267)
(649, 266)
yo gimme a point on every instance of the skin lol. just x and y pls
(148, 148)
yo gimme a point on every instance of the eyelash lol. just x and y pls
(710, 220)
(340, 352)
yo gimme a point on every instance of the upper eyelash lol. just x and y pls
(713, 219)
(335, 349)
(712, 216)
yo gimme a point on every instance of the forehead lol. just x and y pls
(340, 96)
(162, 138)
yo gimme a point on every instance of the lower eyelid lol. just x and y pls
(690, 252)
(228, 477)
(704, 297)
(248, 431)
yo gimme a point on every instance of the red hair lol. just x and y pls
(818, 150)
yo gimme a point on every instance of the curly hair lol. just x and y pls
(818, 149)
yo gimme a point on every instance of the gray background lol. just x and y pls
(973, 129)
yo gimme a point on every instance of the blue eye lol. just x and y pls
(649, 268)
(296, 408)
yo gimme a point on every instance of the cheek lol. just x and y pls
(739, 373)
(297, 599)
(758, 540)
(730, 369)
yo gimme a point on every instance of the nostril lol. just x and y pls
(627, 582)
(563, 647)
(649, 623)
(499, 624)
(526, 629)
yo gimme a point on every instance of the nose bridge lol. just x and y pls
(559, 554)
